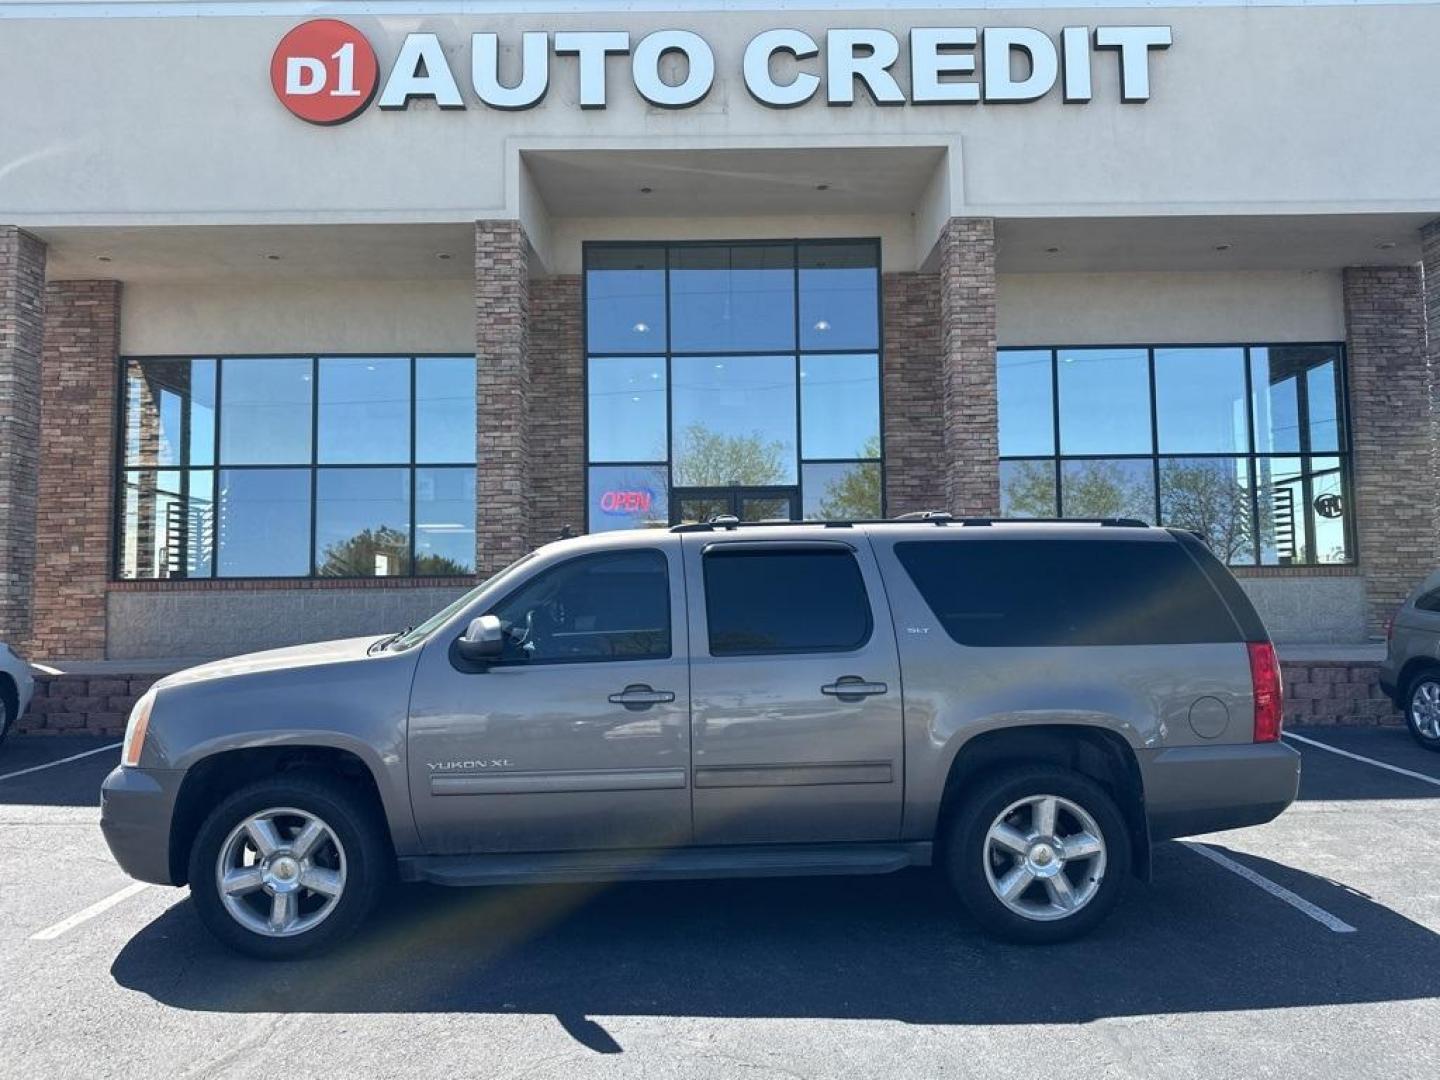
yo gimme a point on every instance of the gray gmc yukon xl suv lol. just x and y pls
(1027, 706)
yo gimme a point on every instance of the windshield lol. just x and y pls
(417, 634)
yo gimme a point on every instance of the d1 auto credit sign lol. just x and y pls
(324, 71)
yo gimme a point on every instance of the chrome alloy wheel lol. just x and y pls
(1425, 708)
(281, 872)
(1044, 857)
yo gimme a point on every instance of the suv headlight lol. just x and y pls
(135, 730)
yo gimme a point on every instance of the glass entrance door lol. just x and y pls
(747, 504)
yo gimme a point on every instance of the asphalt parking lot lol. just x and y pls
(1307, 947)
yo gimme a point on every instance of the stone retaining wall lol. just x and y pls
(1318, 692)
(83, 704)
(1336, 692)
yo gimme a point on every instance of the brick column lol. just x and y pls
(22, 318)
(503, 485)
(1430, 274)
(557, 405)
(914, 414)
(1392, 421)
(77, 440)
(968, 387)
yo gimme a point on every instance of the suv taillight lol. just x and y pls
(1269, 698)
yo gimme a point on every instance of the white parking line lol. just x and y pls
(1361, 757)
(1299, 903)
(98, 908)
(62, 761)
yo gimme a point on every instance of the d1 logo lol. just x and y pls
(324, 71)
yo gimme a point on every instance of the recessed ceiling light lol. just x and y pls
(823, 325)
(641, 328)
(1052, 251)
(646, 190)
(442, 255)
(102, 258)
(1222, 247)
(1385, 245)
(273, 258)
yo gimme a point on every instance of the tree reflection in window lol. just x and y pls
(707, 458)
(1263, 476)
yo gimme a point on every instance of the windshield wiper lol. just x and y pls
(386, 642)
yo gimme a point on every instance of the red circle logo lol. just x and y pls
(324, 71)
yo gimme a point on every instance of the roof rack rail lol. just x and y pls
(728, 522)
(1108, 522)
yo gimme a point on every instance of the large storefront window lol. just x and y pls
(328, 466)
(1243, 444)
(732, 378)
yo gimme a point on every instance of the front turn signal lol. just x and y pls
(135, 730)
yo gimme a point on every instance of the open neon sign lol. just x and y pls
(621, 501)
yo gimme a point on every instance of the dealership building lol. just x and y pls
(311, 313)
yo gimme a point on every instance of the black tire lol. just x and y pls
(1427, 677)
(966, 854)
(9, 707)
(356, 825)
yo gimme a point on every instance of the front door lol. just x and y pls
(578, 735)
(745, 503)
(796, 727)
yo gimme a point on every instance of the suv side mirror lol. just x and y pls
(484, 639)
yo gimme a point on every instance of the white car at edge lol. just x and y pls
(17, 686)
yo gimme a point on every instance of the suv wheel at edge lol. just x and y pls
(1038, 854)
(1422, 708)
(288, 866)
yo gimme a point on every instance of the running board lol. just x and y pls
(678, 864)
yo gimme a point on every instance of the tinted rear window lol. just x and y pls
(784, 602)
(1039, 591)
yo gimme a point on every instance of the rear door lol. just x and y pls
(796, 723)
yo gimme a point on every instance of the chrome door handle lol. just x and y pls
(638, 696)
(853, 688)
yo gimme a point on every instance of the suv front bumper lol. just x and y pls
(1200, 789)
(136, 806)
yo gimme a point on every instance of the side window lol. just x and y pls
(1030, 591)
(609, 606)
(784, 601)
(1428, 601)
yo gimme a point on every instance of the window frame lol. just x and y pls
(1252, 457)
(742, 549)
(590, 556)
(121, 469)
(668, 353)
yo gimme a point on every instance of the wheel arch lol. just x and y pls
(1095, 752)
(211, 779)
(1413, 667)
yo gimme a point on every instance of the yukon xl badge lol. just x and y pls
(470, 766)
